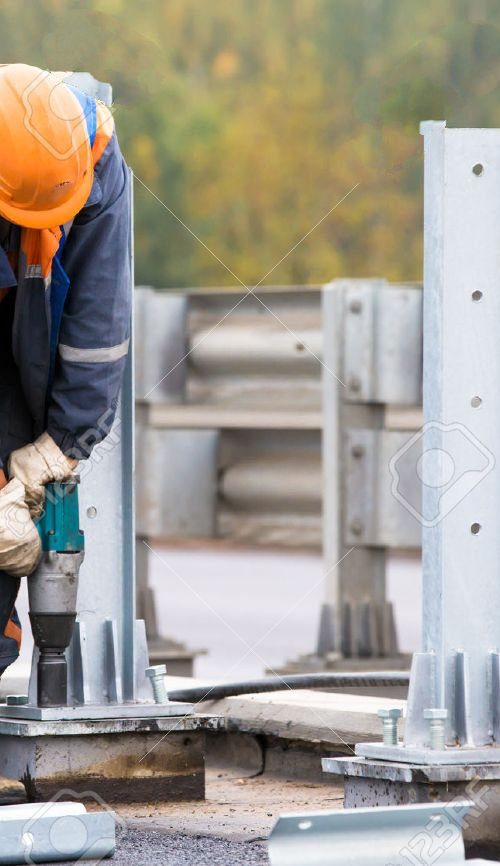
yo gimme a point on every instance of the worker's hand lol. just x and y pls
(20, 546)
(35, 466)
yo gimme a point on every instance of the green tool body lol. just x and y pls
(59, 525)
(53, 588)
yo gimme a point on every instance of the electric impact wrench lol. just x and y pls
(53, 588)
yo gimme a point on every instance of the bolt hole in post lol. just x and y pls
(304, 825)
(358, 451)
(475, 528)
(476, 402)
(91, 512)
(478, 169)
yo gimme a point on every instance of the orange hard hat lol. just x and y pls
(46, 164)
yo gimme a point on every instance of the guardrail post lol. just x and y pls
(452, 727)
(461, 501)
(372, 338)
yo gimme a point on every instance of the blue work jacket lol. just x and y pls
(74, 395)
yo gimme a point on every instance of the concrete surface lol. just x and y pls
(238, 807)
(338, 719)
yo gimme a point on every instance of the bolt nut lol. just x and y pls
(389, 714)
(390, 718)
(356, 306)
(156, 671)
(17, 700)
(436, 714)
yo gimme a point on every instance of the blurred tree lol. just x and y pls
(252, 121)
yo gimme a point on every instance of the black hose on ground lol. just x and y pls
(325, 680)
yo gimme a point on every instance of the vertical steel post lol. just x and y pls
(354, 575)
(459, 668)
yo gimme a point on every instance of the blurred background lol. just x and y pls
(273, 142)
(251, 119)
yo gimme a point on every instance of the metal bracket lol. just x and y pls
(372, 333)
(382, 342)
(373, 515)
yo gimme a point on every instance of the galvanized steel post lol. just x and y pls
(455, 681)
(371, 351)
(459, 670)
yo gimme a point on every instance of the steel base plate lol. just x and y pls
(95, 711)
(415, 755)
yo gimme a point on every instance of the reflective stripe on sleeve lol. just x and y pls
(93, 356)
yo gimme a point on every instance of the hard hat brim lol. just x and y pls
(57, 216)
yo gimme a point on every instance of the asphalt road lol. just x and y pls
(254, 610)
(154, 848)
(144, 848)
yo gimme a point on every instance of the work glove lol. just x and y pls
(35, 466)
(20, 546)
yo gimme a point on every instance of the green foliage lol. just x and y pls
(250, 121)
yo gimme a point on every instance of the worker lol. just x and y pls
(65, 295)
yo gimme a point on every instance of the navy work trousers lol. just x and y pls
(16, 430)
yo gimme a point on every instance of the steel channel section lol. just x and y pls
(107, 578)
(53, 832)
(461, 544)
(372, 351)
(459, 667)
(106, 591)
(371, 837)
(349, 574)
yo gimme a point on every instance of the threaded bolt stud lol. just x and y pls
(156, 675)
(437, 722)
(390, 719)
(17, 700)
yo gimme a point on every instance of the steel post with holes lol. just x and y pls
(108, 691)
(452, 728)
